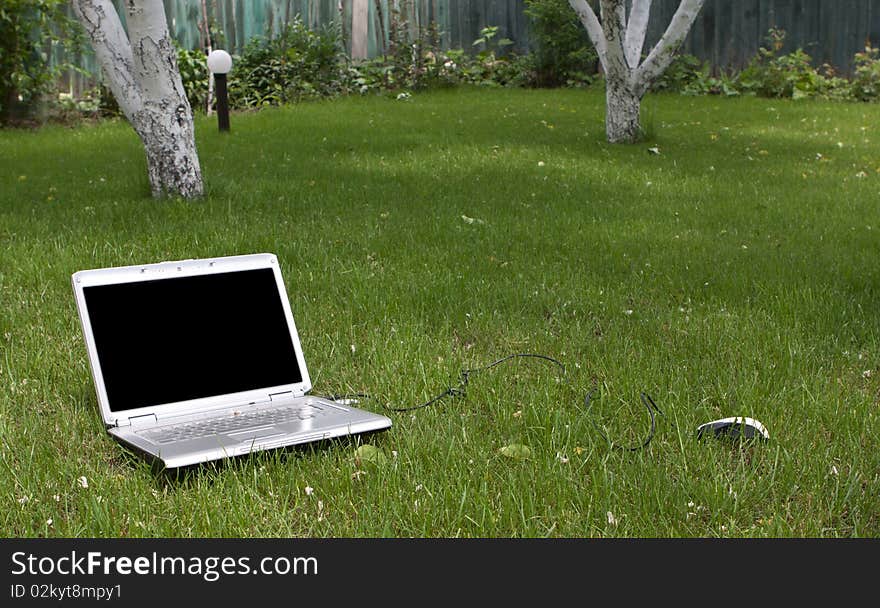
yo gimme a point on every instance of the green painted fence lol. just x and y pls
(727, 32)
(459, 21)
(237, 21)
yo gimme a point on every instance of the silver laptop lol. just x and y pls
(200, 359)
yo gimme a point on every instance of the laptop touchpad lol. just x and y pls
(262, 431)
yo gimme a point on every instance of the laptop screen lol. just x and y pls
(184, 338)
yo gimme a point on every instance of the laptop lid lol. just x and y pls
(182, 337)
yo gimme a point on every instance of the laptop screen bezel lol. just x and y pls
(173, 270)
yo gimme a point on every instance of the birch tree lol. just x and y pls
(141, 70)
(619, 40)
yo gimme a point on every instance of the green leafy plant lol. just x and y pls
(689, 75)
(865, 84)
(298, 64)
(487, 36)
(414, 59)
(770, 74)
(411, 58)
(562, 54)
(488, 67)
(832, 86)
(685, 71)
(30, 30)
(194, 75)
(70, 110)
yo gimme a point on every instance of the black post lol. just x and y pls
(222, 102)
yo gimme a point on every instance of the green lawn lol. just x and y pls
(733, 273)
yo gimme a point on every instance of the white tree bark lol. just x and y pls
(664, 51)
(636, 29)
(591, 24)
(141, 71)
(619, 41)
(209, 46)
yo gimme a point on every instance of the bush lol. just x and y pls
(685, 72)
(489, 67)
(772, 75)
(419, 63)
(832, 86)
(865, 84)
(689, 75)
(29, 31)
(194, 75)
(298, 64)
(562, 53)
(408, 62)
(301, 64)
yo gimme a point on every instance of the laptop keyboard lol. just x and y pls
(231, 424)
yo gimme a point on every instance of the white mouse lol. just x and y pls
(747, 428)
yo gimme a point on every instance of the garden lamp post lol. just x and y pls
(219, 62)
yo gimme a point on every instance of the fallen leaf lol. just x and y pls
(370, 454)
(516, 451)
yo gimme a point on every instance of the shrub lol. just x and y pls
(488, 67)
(193, 67)
(29, 31)
(409, 62)
(685, 71)
(298, 64)
(412, 63)
(865, 84)
(688, 75)
(832, 86)
(561, 49)
(770, 74)
(70, 110)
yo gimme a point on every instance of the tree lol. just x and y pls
(141, 70)
(619, 41)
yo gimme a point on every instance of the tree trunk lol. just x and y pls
(619, 40)
(140, 67)
(622, 113)
(172, 161)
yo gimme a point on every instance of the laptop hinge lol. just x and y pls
(279, 396)
(138, 420)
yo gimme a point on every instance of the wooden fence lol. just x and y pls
(728, 32)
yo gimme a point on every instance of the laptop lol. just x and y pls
(200, 360)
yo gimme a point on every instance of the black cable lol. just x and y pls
(464, 378)
(649, 405)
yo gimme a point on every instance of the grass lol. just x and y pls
(733, 273)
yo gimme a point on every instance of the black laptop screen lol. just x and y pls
(186, 338)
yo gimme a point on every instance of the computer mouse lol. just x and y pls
(734, 428)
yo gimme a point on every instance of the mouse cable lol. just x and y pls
(649, 405)
(452, 391)
(464, 378)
